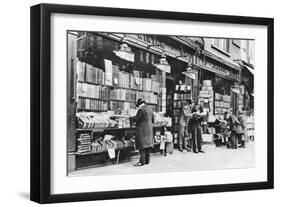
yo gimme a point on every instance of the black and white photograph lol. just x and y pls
(129, 103)
(149, 103)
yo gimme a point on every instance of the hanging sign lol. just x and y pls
(191, 75)
(164, 67)
(125, 55)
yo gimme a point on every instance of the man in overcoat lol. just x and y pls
(144, 131)
(183, 125)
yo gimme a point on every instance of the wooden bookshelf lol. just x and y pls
(116, 87)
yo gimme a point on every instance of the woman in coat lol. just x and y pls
(144, 131)
(235, 128)
(242, 136)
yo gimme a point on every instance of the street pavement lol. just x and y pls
(213, 158)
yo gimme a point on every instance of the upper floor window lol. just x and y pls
(222, 44)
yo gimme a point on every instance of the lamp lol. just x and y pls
(235, 88)
(124, 51)
(163, 64)
(189, 72)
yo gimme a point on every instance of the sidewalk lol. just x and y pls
(213, 158)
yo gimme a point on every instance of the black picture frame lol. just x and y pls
(41, 96)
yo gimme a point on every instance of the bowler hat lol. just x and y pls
(140, 101)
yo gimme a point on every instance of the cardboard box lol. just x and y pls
(169, 147)
(207, 137)
(207, 83)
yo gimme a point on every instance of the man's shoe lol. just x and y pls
(201, 151)
(187, 149)
(139, 164)
(195, 152)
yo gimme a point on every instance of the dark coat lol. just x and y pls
(144, 128)
(244, 127)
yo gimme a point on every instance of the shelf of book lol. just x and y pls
(98, 129)
(90, 110)
(116, 87)
(103, 151)
(105, 99)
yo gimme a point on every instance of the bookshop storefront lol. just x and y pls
(107, 85)
(108, 74)
(216, 82)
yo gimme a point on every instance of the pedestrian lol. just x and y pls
(144, 131)
(242, 136)
(183, 126)
(235, 129)
(226, 130)
(197, 117)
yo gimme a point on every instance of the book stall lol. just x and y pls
(109, 83)
(106, 99)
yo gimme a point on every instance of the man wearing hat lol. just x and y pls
(144, 131)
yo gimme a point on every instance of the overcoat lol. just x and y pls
(244, 127)
(144, 129)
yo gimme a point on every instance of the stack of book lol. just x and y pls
(155, 86)
(118, 94)
(149, 97)
(90, 104)
(130, 95)
(182, 96)
(80, 66)
(124, 79)
(222, 105)
(147, 84)
(84, 143)
(179, 104)
(206, 95)
(100, 146)
(92, 91)
(88, 120)
(108, 72)
(94, 75)
(115, 75)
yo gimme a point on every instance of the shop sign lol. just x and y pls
(221, 70)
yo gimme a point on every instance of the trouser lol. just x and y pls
(182, 140)
(144, 155)
(196, 138)
(234, 140)
(240, 139)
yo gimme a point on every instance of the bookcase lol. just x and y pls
(113, 89)
(181, 95)
(104, 96)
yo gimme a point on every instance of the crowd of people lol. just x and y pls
(233, 129)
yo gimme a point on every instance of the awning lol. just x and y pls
(251, 70)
